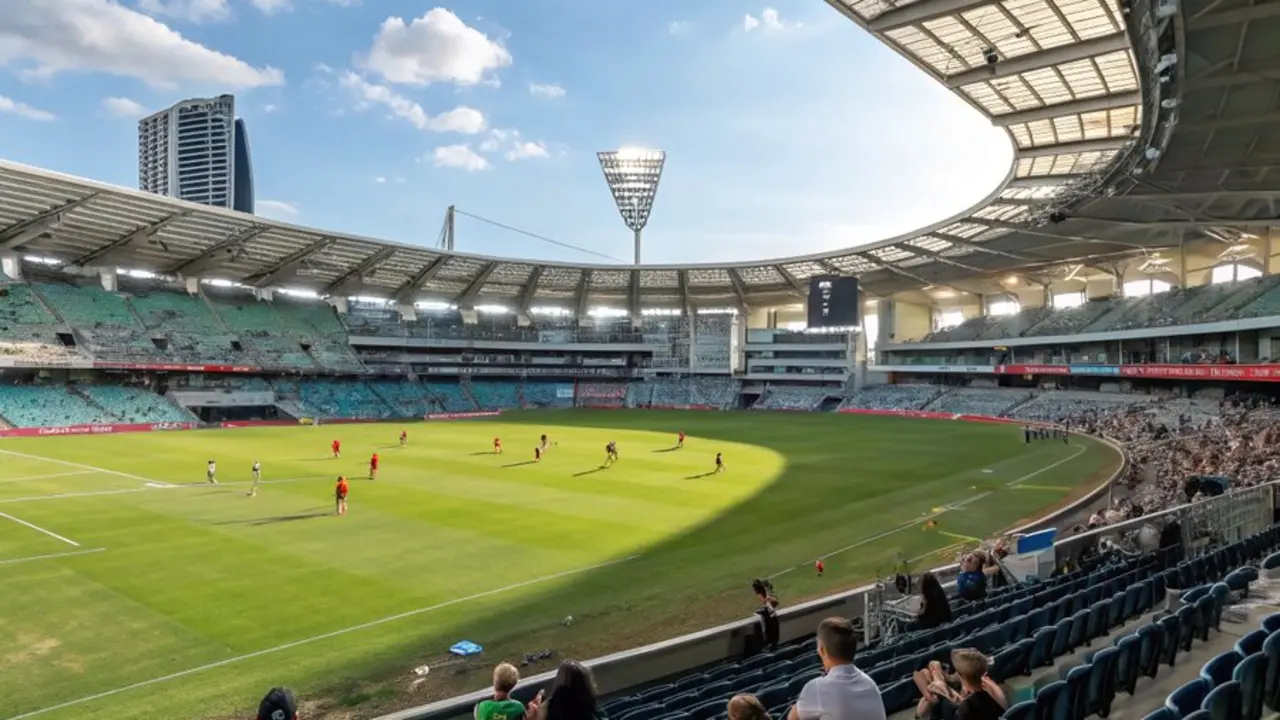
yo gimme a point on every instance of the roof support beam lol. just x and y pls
(961, 242)
(404, 294)
(143, 233)
(1073, 107)
(1043, 181)
(739, 289)
(197, 264)
(882, 265)
(467, 298)
(1245, 74)
(1083, 146)
(1232, 17)
(1042, 59)
(580, 300)
(525, 299)
(943, 259)
(922, 11)
(357, 272)
(1260, 193)
(31, 228)
(633, 296)
(795, 284)
(287, 264)
(685, 301)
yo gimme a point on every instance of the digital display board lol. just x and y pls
(833, 301)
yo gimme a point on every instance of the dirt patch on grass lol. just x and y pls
(29, 649)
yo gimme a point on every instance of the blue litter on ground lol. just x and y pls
(465, 648)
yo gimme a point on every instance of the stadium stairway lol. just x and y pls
(1088, 642)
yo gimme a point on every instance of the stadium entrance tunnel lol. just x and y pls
(453, 543)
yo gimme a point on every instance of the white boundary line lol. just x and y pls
(46, 477)
(33, 558)
(152, 486)
(325, 636)
(60, 496)
(1047, 468)
(39, 529)
(82, 466)
(925, 518)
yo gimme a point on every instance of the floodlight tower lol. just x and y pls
(633, 176)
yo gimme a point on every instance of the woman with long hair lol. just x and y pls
(572, 696)
(935, 609)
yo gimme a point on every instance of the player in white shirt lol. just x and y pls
(257, 478)
(212, 472)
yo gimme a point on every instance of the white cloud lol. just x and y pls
(677, 27)
(271, 7)
(549, 90)
(278, 209)
(123, 107)
(526, 150)
(380, 180)
(435, 48)
(461, 119)
(459, 156)
(196, 11)
(497, 138)
(769, 20)
(105, 37)
(9, 106)
(269, 108)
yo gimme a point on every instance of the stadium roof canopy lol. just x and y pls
(1077, 90)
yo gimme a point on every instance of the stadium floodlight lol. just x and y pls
(633, 175)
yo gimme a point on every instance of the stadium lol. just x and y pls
(1071, 385)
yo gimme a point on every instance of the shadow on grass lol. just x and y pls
(520, 464)
(482, 452)
(667, 450)
(592, 471)
(275, 520)
(699, 476)
(701, 577)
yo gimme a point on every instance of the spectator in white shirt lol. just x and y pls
(844, 692)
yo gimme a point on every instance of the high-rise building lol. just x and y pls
(198, 151)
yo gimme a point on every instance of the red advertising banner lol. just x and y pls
(175, 367)
(461, 415)
(95, 429)
(1033, 369)
(1248, 373)
(921, 414)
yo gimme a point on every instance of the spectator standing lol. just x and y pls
(844, 692)
(572, 696)
(279, 704)
(502, 706)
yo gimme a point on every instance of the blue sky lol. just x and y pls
(788, 129)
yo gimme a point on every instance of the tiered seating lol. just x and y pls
(261, 331)
(714, 391)
(790, 398)
(344, 399)
(1008, 326)
(891, 397)
(601, 394)
(317, 325)
(1244, 301)
(638, 395)
(546, 395)
(1027, 629)
(103, 318)
(979, 401)
(1054, 406)
(449, 396)
(711, 342)
(195, 335)
(48, 406)
(1266, 303)
(1070, 320)
(28, 330)
(495, 394)
(135, 405)
(406, 398)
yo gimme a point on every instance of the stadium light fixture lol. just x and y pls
(633, 175)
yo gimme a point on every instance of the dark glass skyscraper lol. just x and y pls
(242, 183)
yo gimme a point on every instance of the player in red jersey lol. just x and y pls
(337, 449)
(340, 495)
(404, 438)
(373, 466)
(680, 440)
(497, 445)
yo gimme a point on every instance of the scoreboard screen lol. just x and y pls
(833, 301)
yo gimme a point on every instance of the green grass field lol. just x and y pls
(124, 598)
